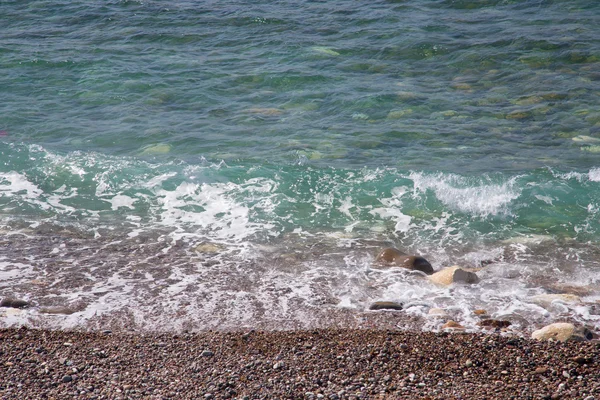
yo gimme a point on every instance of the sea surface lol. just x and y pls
(192, 165)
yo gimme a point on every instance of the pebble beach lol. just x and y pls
(300, 200)
(307, 364)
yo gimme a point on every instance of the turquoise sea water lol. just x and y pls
(466, 131)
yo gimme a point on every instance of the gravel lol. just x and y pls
(330, 364)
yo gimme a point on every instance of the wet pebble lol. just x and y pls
(13, 303)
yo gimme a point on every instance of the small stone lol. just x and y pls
(391, 257)
(540, 371)
(453, 325)
(468, 363)
(504, 372)
(566, 374)
(582, 360)
(13, 303)
(480, 312)
(562, 331)
(278, 365)
(57, 310)
(207, 353)
(494, 323)
(208, 248)
(208, 396)
(385, 305)
(67, 344)
(451, 275)
(67, 379)
(437, 312)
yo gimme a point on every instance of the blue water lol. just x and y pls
(453, 129)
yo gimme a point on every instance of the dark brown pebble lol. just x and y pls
(385, 305)
(494, 323)
(14, 303)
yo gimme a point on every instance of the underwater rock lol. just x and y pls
(57, 310)
(545, 300)
(13, 303)
(528, 240)
(563, 331)
(208, 248)
(452, 275)
(267, 112)
(391, 257)
(325, 50)
(397, 114)
(154, 149)
(437, 313)
(586, 139)
(577, 290)
(385, 305)
(591, 149)
(518, 115)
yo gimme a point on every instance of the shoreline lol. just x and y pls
(318, 363)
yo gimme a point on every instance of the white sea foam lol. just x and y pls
(14, 183)
(474, 196)
(594, 175)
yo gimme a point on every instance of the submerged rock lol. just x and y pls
(325, 50)
(437, 313)
(545, 300)
(155, 149)
(13, 303)
(265, 111)
(391, 257)
(57, 310)
(209, 248)
(563, 331)
(562, 288)
(385, 305)
(452, 275)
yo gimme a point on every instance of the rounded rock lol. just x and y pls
(452, 275)
(395, 258)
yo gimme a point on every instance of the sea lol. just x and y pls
(214, 165)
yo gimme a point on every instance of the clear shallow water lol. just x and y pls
(292, 142)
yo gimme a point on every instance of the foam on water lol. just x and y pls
(125, 242)
(475, 196)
